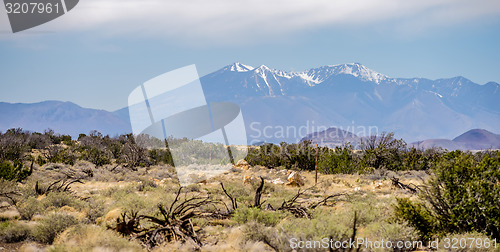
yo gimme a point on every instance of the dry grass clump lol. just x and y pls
(51, 226)
(92, 238)
(11, 232)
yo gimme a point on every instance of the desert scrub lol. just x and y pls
(389, 231)
(248, 214)
(136, 203)
(60, 199)
(52, 225)
(337, 226)
(94, 210)
(29, 207)
(117, 192)
(242, 193)
(14, 170)
(370, 209)
(11, 232)
(461, 196)
(271, 236)
(92, 238)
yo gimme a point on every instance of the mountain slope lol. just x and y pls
(333, 137)
(62, 117)
(286, 106)
(351, 94)
(478, 139)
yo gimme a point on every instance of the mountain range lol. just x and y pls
(62, 117)
(354, 98)
(286, 106)
(475, 139)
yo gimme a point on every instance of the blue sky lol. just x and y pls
(96, 54)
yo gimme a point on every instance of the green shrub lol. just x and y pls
(98, 157)
(337, 226)
(60, 199)
(248, 214)
(58, 154)
(258, 232)
(95, 209)
(159, 156)
(301, 155)
(418, 216)
(462, 196)
(340, 160)
(52, 225)
(13, 144)
(13, 170)
(29, 207)
(390, 231)
(11, 232)
(383, 152)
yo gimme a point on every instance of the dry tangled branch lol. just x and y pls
(174, 222)
(410, 187)
(9, 191)
(234, 204)
(62, 185)
(299, 210)
(325, 200)
(295, 207)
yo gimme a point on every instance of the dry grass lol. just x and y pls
(100, 200)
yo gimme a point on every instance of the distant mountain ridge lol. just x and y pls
(340, 96)
(333, 137)
(62, 117)
(475, 139)
(346, 94)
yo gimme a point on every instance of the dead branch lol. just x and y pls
(325, 200)
(410, 187)
(294, 207)
(10, 196)
(354, 230)
(234, 204)
(62, 185)
(127, 226)
(258, 193)
(174, 222)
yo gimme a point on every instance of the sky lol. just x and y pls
(98, 52)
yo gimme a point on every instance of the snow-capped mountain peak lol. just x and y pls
(238, 67)
(320, 74)
(316, 75)
(359, 71)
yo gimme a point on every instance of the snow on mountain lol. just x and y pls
(318, 75)
(315, 75)
(238, 67)
(286, 106)
(415, 108)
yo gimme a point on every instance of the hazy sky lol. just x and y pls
(96, 54)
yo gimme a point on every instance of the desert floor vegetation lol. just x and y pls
(107, 194)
